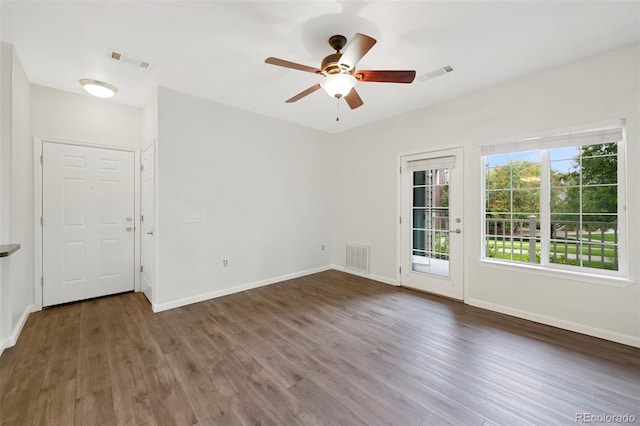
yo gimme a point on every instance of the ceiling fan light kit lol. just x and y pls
(338, 85)
(339, 70)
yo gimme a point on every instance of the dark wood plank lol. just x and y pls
(329, 348)
(54, 407)
(168, 400)
(157, 323)
(145, 345)
(93, 368)
(63, 361)
(11, 355)
(279, 356)
(95, 408)
(199, 389)
(131, 402)
(20, 393)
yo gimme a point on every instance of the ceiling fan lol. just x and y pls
(339, 70)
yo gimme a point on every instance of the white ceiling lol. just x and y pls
(216, 50)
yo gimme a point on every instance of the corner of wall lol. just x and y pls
(16, 197)
(12, 338)
(6, 58)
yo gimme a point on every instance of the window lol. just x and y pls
(557, 201)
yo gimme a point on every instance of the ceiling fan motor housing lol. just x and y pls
(330, 64)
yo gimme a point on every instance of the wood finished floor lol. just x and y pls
(325, 349)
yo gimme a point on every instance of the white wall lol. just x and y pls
(21, 277)
(6, 59)
(16, 197)
(595, 89)
(150, 120)
(64, 115)
(260, 187)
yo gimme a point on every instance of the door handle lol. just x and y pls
(150, 233)
(130, 228)
(455, 231)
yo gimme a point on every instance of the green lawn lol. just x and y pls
(571, 248)
(609, 238)
(500, 249)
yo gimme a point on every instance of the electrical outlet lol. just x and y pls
(225, 262)
(191, 218)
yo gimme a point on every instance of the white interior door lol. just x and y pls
(431, 222)
(148, 221)
(88, 226)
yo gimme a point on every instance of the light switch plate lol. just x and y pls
(192, 218)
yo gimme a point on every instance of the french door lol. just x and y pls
(87, 222)
(431, 222)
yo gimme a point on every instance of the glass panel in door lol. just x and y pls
(430, 222)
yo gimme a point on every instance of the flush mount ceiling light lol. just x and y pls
(99, 89)
(338, 85)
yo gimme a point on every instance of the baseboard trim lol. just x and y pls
(556, 322)
(13, 338)
(236, 289)
(373, 277)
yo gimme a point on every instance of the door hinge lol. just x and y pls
(400, 169)
(141, 218)
(142, 167)
(41, 281)
(41, 221)
(41, 159)
(400, 220)
(141, 268)
(399, 269)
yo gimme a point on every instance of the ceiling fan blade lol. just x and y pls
(353, 99)
(386, 76)
(359, 45)
(304, 93)
(292, 65)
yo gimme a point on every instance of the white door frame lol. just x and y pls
(37, 226)
(399, 161)
(155, 220)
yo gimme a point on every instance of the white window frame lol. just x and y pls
(538, 143)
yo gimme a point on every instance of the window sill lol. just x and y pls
(559, 273)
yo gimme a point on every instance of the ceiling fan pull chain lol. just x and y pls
(337, 109)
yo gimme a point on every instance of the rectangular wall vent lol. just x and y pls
(435, 73)
(357, 258)
(121, 57)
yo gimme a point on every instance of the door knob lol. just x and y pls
(456, 231)
(150, 233)
(129, 228)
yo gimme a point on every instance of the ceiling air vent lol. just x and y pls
(435, 73)
(121, 57)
